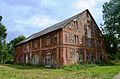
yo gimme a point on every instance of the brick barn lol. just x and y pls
(77, 39)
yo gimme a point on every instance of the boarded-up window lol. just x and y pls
(35, 45)
(67, 37)
(89, 32)
(80, 39)
(81, 56)
(76, 58)
(89, 42)
(28, 47)
(48, 40)
(71, 39)
(26, 58)
(48, 58)
(74, 55)
(54, 38)
(71, 54)
(35, 59)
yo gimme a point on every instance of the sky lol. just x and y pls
(25, 17)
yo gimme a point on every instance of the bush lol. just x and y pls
(101, 63)
(78, 66)
(115, 62)
(9, 62)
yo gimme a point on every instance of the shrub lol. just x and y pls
(78, 66)
(8, 62)
(101, 63)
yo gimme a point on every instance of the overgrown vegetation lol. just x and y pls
(79, 66)
(72, 72)
(11, 47)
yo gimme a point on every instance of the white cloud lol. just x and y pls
(102, 1)
(84, 4)
(28, 26)
(88, 4)
(49, 2)
(37, 21)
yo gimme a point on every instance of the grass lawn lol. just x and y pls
(81, 72)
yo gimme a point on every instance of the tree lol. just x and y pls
(3, 30)
(111, 44)
(3, 48)
(4, 52)
(111, 17)
(12, 44)
(16, 40)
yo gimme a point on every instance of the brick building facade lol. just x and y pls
(74, 40)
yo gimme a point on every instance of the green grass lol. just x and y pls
(71, 72)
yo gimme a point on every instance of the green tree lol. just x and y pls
(111, 17)
(12, 44)
(4, 52)
(3, 48)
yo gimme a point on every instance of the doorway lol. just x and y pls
(48, 59)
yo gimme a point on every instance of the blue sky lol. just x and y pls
(24, 17)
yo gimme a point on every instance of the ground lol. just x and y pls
(117, 76)
(75, 72)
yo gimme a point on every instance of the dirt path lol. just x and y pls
(117, 76)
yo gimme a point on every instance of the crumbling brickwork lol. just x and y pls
(75, 40)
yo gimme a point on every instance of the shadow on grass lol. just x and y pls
(72, 67)
(26, 67)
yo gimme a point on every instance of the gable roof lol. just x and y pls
(54, 27)
(51, 28)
